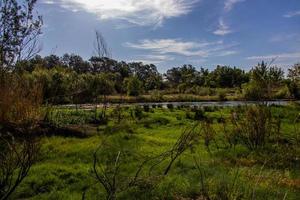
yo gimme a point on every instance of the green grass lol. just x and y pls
(64, 169)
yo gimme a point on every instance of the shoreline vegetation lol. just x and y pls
(181, 98)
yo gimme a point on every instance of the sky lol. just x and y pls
(170, 33)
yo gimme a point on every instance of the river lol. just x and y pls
(198, 104)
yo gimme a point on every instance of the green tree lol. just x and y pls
(134, 86)
(19, 29)
(294, 80)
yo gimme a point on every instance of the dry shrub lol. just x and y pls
(20, 112)
(16, 159)
(255, 125)
(20, 99)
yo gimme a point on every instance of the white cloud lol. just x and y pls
(283, 56)
(223, 29)
(292, 14)
(153, 59)
(48, 2)
(138, 12)
(184, 48)
(229, 4)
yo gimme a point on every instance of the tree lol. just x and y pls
(100, 46)
(294, 80)
(134, 86)
(264, 79)
(225, 76)
(19, 29)
(76, 63)
(102, 85)
(147, 74)
(52, 61)
(185, 76)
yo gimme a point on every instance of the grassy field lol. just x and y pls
(209, 166)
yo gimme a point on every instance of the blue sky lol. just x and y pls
(170, 33)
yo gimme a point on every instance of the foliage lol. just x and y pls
(264, 79)
(19, 29)
(294, 83)
(134, 86)
(16, 159)
(255, 126)
(20, 100)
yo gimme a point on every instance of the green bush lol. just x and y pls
(170, 106)
(253, 91)
(283, 93)
(146, 108)
(255, 125)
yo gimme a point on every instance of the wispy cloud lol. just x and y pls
(282, 56)
(184, 48)
(152, 59)
(142, 13)
(229, 4)
(223, 29)
(292, 14)
(285, 37)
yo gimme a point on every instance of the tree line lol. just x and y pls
(70, 78)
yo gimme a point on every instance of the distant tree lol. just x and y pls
(186, 75)
(103, 64)
(104, 86)
(31, 64)
(225, 76)
(264, 79)
(147, 74)
(19, 29)
(102, 54)
(101, 49)
(52, 61)
(76, 63)
(294, 73)
(294, 80)
(134, 86)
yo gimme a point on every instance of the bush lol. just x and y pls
(255, 125)
(155, 121)
(283, 93)
(146, 108)
(210, 108)
(134, 86)
(137, 113)
(122, 127)
(157, 96)
(189, 115)
(222, 95)
(252, 91)
(199, 114)
(170, 106)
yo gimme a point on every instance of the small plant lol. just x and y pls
(170, 106)
(146, 108)
(199, 114)
(222, 95)
(16, 159)
(137, 113)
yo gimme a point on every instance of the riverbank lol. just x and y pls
(184, 104)
(115, 99)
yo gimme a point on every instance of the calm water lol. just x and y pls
(199, 104)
